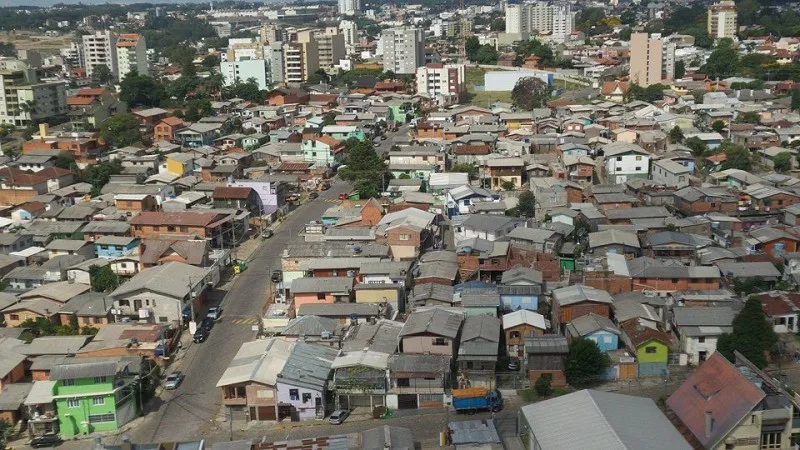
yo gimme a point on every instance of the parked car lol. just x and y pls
(342, 196)
(201, 334)
(46, 440)
(214, 313)
(383, 137)
(207, 323)
(277, 276)
(338, 416)
(313, 196)
(173, 380)
(513, 363)
(266, 234)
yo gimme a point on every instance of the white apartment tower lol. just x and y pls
(557, 19)
(131, 54)
(100, 49)
(349, 7)
(722, 20)
(349, 30)
(437, 79)
(73, 55)
(403, 50)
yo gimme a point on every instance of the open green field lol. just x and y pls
(486, 98)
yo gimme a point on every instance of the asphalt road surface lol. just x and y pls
(194, 409)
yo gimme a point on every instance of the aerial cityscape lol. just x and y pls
(544, 225)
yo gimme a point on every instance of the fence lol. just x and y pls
(516, 381)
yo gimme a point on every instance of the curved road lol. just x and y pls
(195, 408)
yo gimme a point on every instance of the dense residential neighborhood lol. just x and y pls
(540, 225)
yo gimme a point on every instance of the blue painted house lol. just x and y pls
(520, 288)
(599, 329)
(111, 247)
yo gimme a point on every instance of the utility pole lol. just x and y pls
(192, 322)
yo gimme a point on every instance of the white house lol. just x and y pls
(671, 173)
(699, 329)
(625, 161)
(485, 226)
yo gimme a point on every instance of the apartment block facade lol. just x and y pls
(403, 50)
(131, 54)
(100, 49)
(722, 20)
(646, 60)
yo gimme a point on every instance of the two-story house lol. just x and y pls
(433, 331)
(699, 329)
(518, 326)
(324, 151)
(577, 300)
(625, 161)
(478, 350)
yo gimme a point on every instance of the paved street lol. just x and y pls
(194, 409)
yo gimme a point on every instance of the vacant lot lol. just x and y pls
(28, 40)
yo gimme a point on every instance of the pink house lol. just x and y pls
(321, 290)
(431, 332)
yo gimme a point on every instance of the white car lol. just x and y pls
(214, 313)
(173, 380)
(338, 416)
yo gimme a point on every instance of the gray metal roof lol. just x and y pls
(481, 328)
(714, 316)
(749, 269)
(613, 237)
(310, 326)
(521, 274)
(380, 337)
(637, 213)
(83, 370)
(172, 279)
(308, 366)
(322, 284)
(468, 433)
(605, 420)
(55, 345)
(387, 438)
(339, 309)
(547, 344)
(591, 323)
(488, 222)
(577, 293)
(480, 297)
(434, 321)
(13, 395)
(410, 363)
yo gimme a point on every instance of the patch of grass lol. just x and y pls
(485, 98)
(473, 76)
(529, 395)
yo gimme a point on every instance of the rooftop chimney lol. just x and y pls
(709, 424)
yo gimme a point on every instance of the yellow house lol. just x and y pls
(515, 121)
(32, 309)
(180, 164)
(380, 293)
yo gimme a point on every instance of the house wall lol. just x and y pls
(558, 379)
(74, 420)
(621, 168)
(155, 231)
(14, 375)
(514, 302)
(426, 345)
(515, 338)
(480, 311)
(161, 306)
(303, 298)
(676, 284)
(692, 346)
(572, 312)
(15, 319)
(305, 410)
(605, 341)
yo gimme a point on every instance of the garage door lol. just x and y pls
(266, 413)
(407, 401)
(359, 400)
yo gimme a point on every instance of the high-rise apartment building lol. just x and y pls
(73, 55)
(24, 99)
(244, 70)
(668, 60)
(438, 79)
(300, 57)
(100, 49)
(330, 46)
(646, 60)
(349, 7)
(403, 50)
(557, 19)
(349, 30)
(131, 54)
(722, 20)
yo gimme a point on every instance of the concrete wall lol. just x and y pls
(506, 80)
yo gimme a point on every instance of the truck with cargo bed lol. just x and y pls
(472, 400)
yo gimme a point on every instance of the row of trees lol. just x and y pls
(365, 168)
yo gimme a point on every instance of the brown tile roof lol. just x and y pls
(639, 334)
(472, 150)
(172, 121)
(192, 251)
(716, 387)
(610, 86)
(196, 219)
(289, 166)
(232, 192)
(329, 141)
(80, 101)
(19, 178)
(91, 92)
(780, 304)
(33, 207)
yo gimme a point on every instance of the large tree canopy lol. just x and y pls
(530, 93)
(752, 335)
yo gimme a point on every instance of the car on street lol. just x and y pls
(266, 234)
(214, 313)
(313, 196)
(173, 380)
(207, 323)
(338, 416)
(383, 137)
(45, 440)
(201, 335)
(277, 276)
(342, 196)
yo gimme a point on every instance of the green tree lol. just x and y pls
(795, 99)
(470, 169)
(782, 162)
(8, 49)
(530, 93)
(498, 24)
(747, 11)
(98, 174)
(723, 62)
(103, 279)
(625, 34)
(752, 335)
(247, 90)
(749, 117)
(102, 75)
(527, 204)
(487, 54)
(738, 157)
(318, 77)
(543, 387)
(65, 160)
(471, 47)
(365, 168)
(121, 130)
(585, 362)
(6, 431)
(698, 147)
(718, 126)
(39, 327)
(676, 135)
(329, 119)
(211, 62)
(141, 90)
(508, 185)
(181, 87)
(680, 69)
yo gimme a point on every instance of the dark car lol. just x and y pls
(313, 196)
(277, 276)
(47, 440)
(207, 323)
(201, 334)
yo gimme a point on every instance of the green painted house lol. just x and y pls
(651, 347)
(401, 111)
(93, 396)
(344, 132)
(324, 151)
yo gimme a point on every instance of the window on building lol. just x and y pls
(320, 296)
(405, 237)
(306, 397)
(619, 169)
(650, 349)
(170, 228)
(701, 339)
(638, 157)
(85, 320)
(619, 158)
(514, 335)
(96, 418)
(124, 303)
(184, 229)
(156, 228)
(73, 403)
(439, 341)
(98, 400)
(294, 394)
(771, 439)
(137, 227)
(13, 316)
(638, 169)
(69, 382)
(100, 379)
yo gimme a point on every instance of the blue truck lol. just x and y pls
(472, 400)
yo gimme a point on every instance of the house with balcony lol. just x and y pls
(276, 379)
(580, 169)
(361, 367)
(733, 405)
(93, 396)
(198, 134)
(505, 170)
(699, 329)
(478, 350)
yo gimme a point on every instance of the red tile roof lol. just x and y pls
(780, 304)
(640, 335)
(289, 166)
(718, 388)
(240, 193)
(91, 92)
(172, 121)
(80, 101)
(472, 150)
(196, 219)
(17, 177)
(328, 141)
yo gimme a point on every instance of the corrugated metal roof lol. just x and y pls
(83, 370)
(434, 321)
